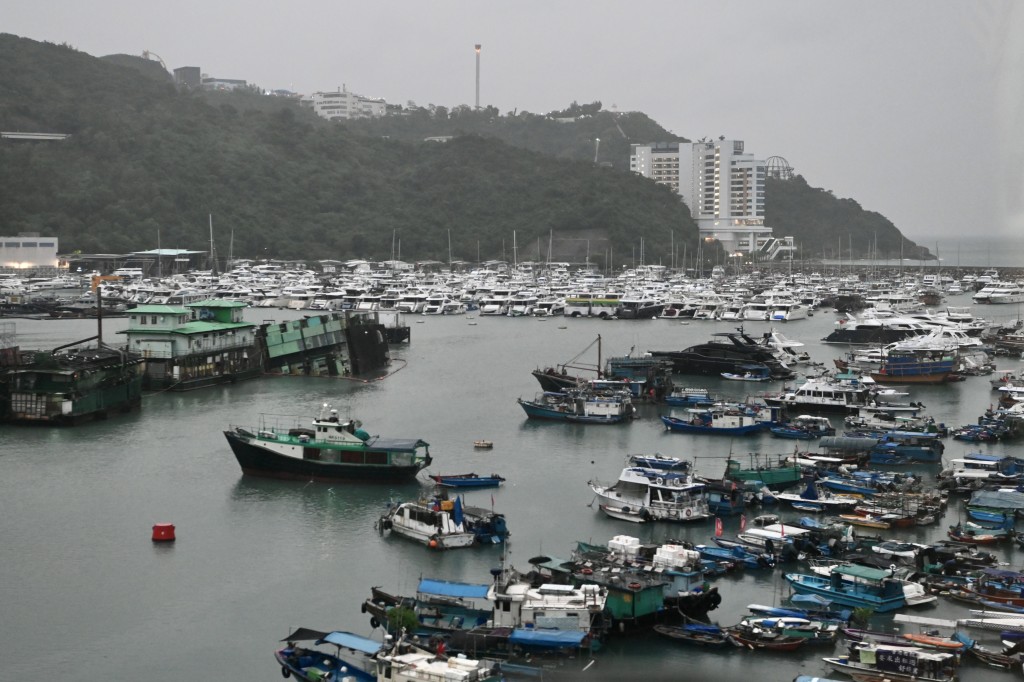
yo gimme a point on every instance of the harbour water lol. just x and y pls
(87, 596)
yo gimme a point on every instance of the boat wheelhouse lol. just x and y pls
(874, 588)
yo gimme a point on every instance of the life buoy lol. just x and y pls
(587, 571)
(285, 672)
(689, 512)
(659, 481)
(374, 623)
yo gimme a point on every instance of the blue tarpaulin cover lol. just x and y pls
(350, 641)
(547, 638)
(450, 589)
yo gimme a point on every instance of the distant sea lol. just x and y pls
(975, 253)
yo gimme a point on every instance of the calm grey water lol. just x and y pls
(87, 596)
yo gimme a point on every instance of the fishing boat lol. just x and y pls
(979, 535)
(814, 498)
(353, 656)
(757, 638)
(467, 480)
(695, 633)
(739, 556)
(332, 450)
(483, 444)
(867, 662)
(690, 397)
(813, 631)
(749, 373)
(866, 521)
(995, 659)
(642, 494)
(776, 477)
(913, 365)
(724, 422)
(660, 461)
(580, 406)
(444, 524)
(874, 588)
(406, 662)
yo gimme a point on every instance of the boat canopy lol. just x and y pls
(865, 572)
(848, 443)
(353, 642)
(396, 444)
(997, 499)
(451, 589)
(548, 639)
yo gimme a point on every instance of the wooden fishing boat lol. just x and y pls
(995, 659)
(467, 480)
(979, 535)
(757, 639)
(693, 633)
(865, 521)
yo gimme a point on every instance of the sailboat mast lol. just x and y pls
(213, 252)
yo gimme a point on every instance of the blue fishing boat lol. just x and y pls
(791, 432)
(467, 480)
(690, 397)
(720, 422)
(739, 556)
(915, 366)
(580, 406)
(659, 461)
(352, 654)
(853, 585)
(815, 499)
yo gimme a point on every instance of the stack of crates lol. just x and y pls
(625, 545)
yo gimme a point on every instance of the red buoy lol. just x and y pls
(163, 532)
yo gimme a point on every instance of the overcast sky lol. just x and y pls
(912, 108)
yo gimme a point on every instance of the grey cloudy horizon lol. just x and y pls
(913, 109)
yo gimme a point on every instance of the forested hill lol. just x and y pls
(145, 159)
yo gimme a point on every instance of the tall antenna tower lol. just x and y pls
(477, 48)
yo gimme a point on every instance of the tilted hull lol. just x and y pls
(258, 460)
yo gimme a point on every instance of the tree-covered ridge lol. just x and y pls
(824, 226)
(145, 159)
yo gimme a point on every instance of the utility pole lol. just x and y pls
(477, 48)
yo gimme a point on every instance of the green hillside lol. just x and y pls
(145, 159)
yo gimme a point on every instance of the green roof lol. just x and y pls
(159, 309)
(201, 327)
(216, 303)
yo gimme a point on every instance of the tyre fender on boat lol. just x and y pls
(285, 672)
(374, 622)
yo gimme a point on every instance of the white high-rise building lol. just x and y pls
(726, 194)
(660, 161)
(344, 105)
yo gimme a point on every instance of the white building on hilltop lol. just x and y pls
(722, 185)
(342, 105)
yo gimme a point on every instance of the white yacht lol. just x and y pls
(644, 494)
